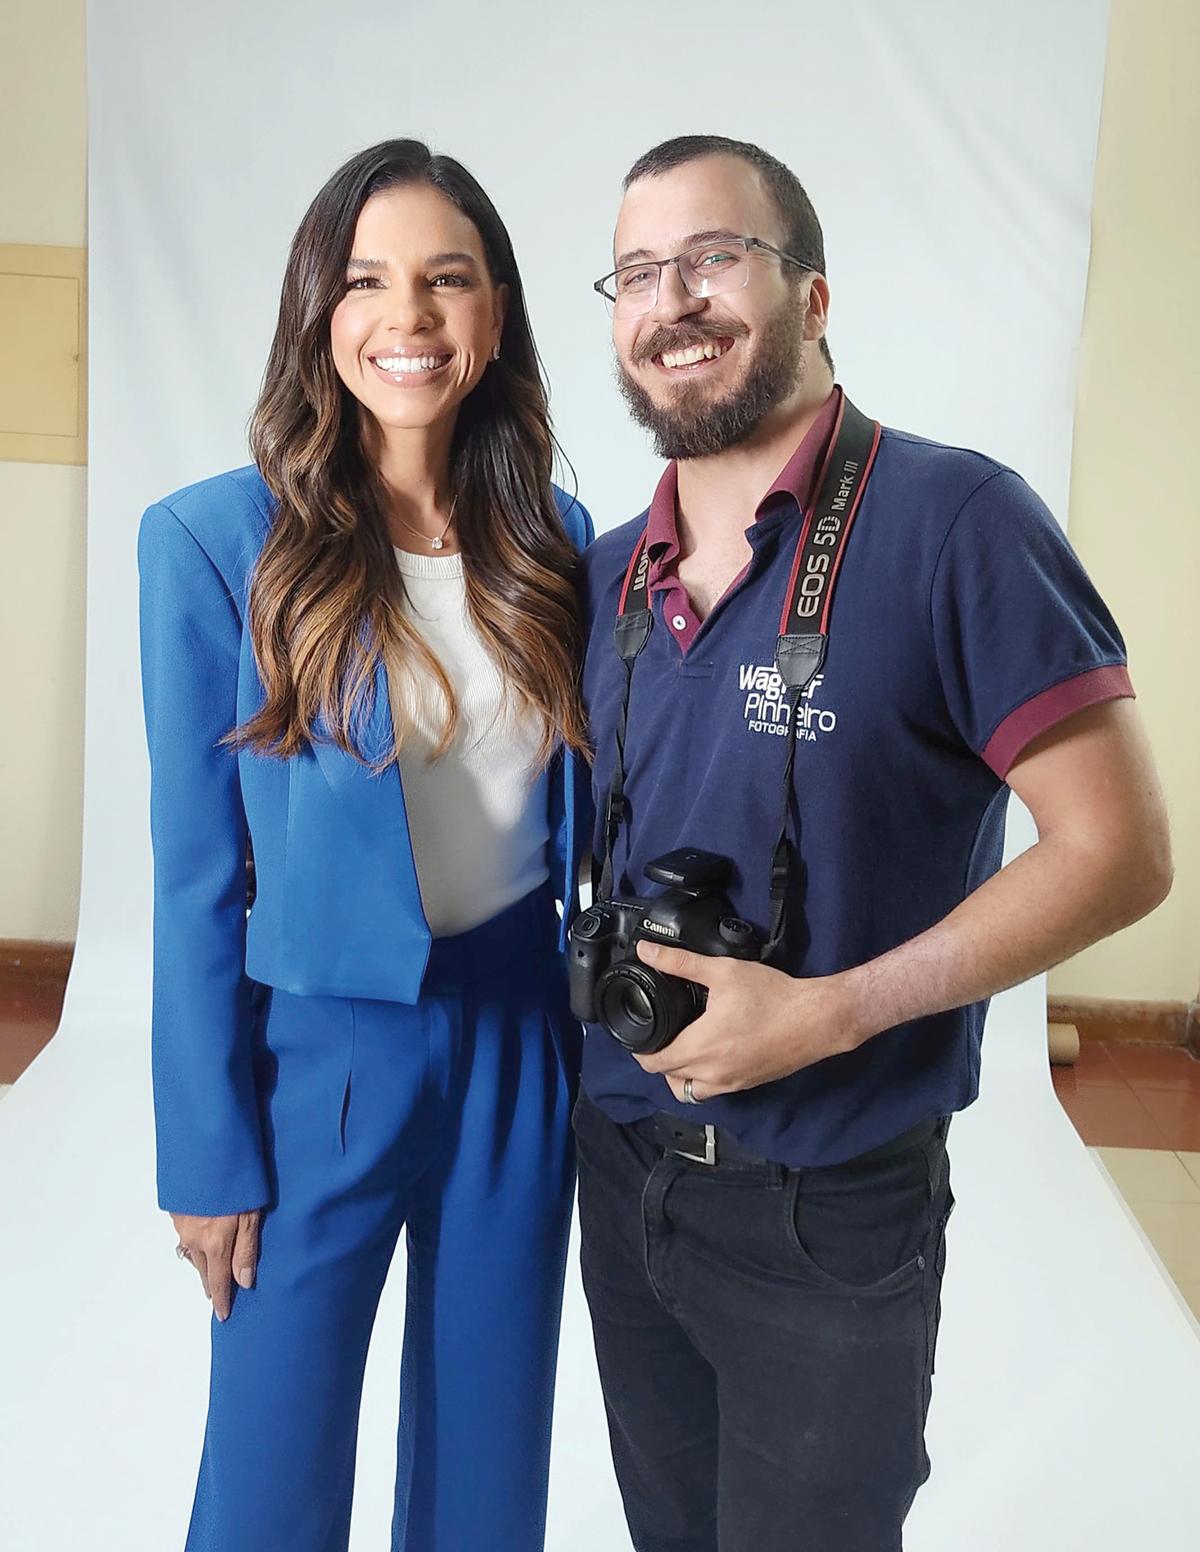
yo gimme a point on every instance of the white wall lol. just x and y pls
(900, 122)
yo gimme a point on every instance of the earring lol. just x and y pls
(496, 351)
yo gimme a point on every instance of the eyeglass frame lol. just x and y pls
(661, 264)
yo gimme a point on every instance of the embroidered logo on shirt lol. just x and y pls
(766, 708)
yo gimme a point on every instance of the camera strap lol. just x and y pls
(803, 628)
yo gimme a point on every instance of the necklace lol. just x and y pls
(440, 541)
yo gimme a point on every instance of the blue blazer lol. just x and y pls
(338, 908)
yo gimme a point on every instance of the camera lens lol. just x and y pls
(635, 1005)
(629, 1003)
(643, 1009)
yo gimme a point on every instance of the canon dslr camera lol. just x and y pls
(610, 985)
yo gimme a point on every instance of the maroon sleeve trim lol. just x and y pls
(1037, 715)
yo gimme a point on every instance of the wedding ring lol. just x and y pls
(688, 1097)
(183, 1252)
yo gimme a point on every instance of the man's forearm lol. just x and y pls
(1054, 900)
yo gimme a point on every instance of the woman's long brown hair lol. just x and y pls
(326, 595)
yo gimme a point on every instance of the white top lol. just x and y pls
(478, 818)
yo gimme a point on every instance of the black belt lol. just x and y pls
(712, 1145)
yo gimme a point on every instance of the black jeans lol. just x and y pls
(765, 1338)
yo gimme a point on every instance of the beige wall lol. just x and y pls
(43, 122)
(1133, 512)
(1135, 484)
(42, 509)
(43, 140)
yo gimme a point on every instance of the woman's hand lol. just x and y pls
(223, 1251)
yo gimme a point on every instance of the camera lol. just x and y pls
(643, 1008)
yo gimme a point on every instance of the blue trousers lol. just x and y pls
(449, 1119)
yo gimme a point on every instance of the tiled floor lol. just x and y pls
(1133, 1096)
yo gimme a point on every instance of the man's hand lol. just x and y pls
(759, 1025)
(223, 1251)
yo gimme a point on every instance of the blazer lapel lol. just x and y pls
(343, 772)
(376, 802)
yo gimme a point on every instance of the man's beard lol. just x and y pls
(694, 425)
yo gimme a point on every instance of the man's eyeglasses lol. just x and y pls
(709, 269)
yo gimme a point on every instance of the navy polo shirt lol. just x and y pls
(963, 626)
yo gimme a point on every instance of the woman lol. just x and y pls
(361, 655)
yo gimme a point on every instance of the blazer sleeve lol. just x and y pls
(576, 518)
(209, 1145)
(587, 529)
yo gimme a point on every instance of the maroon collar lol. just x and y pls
(796, 479)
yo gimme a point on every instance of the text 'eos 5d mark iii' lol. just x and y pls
(641, 1006)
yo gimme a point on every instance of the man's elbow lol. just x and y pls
(1145, 878)
(1163, 880)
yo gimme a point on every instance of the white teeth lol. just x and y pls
(410, 364)
(709, 352)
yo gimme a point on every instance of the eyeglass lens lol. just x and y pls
(705, 271)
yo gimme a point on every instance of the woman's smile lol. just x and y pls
(404, 369)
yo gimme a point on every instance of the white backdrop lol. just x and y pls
(948, 148)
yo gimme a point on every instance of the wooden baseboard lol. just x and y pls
(1109, 1018)
(35, 959)
(33, 979)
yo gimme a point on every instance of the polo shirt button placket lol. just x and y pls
(679, 622)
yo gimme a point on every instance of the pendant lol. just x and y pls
(436, 543)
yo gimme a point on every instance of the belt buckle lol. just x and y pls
(709, 1156)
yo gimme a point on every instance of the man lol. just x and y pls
(763, 1200)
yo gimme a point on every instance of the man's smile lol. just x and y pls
(688, 360)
